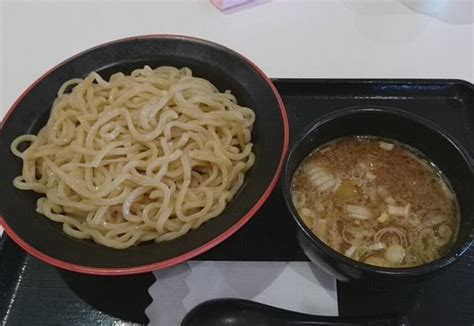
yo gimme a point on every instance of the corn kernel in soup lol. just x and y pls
(376, 201)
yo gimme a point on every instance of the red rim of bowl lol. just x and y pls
(186, 256)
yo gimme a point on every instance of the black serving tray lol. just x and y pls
(32, 293)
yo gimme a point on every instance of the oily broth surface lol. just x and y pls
(376, 201)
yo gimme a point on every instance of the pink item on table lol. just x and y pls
(226, 4)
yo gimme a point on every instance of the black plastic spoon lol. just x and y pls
(237, 312)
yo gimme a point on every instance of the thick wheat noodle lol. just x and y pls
(145, 156)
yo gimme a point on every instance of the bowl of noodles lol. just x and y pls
(382, 197)
(139, 154)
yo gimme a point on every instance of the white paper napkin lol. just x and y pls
(297, 286)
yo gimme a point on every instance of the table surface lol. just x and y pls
(287, 39)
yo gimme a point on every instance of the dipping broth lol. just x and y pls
(376, 201)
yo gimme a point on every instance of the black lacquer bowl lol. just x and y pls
(439, 147)
(226, 69)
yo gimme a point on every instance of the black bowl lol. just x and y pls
(224, 68)
(404, 127)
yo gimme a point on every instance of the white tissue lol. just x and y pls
(297, 286)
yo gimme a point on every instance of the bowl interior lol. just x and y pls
(448, 156)
(223, 67)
